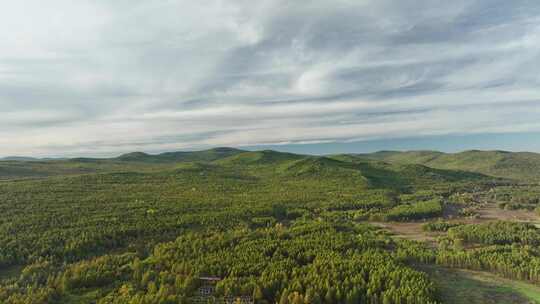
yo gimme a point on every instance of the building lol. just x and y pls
(208, 286)
(207, 291)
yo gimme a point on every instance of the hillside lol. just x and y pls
(23, 168)
(18, 158)
(364, 173)
(259, 158)
(515, 165)
(189, 156)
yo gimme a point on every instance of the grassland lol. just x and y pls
(457, 286)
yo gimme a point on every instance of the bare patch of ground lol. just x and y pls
(485, 213)
(459, 286)
(411, 231)
(490, 212)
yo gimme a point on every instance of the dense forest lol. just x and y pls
(267, 227)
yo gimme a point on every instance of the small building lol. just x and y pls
(210, 279)
(208, 286)
(207, 291)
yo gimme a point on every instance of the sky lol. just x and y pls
(104, 77)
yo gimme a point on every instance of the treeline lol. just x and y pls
(511, 261)
(506, 248)
(496, 233)
(415, 211)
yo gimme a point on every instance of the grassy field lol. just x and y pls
(473, 287)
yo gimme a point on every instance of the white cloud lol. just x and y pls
(94, 77)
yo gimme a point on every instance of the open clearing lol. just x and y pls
(490, 212)
(486, 213)
(464, 286)
(473, 287)
(411, 231)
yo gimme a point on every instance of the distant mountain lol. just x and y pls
(136, 156)
(27, 159)
(385, 168)
(183, 156)
(265, 157)
(389, 174)
(365, 172)
(515, 165)
(18, 158)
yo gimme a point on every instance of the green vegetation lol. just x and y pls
(416, 211)
(275, 227)
(470, 287)
(516, 197)
(497, 233)
(509, 249)
(208, 155)
(522, 166)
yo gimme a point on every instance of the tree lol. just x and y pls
(284, 299)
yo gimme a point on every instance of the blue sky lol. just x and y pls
(104, 77)
(515, 142)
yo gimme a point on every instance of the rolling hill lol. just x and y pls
(18, 158)
(259, 158)
(143, 226)
(23, 168)
(365, 172)
(205, 155)
(522, 166)
(370, 172)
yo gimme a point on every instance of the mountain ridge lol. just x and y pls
(497, 163)
(523, 166)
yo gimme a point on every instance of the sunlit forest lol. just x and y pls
(232, 226)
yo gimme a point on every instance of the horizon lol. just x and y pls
(322, 149)
(272, 151)
(316, 77)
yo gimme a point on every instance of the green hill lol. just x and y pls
(205, 155)
(362, 172)
(260, 158)
(515, 165)
(368, 171)
(316, 165)
(135, 156)
(394, 174)
(144, 228)
(19, 158)
(40, 169)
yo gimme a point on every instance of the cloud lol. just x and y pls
(105, 77)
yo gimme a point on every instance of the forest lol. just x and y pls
(232, 226)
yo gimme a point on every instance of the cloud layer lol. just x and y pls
(110, 76)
